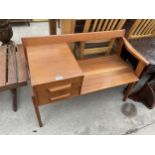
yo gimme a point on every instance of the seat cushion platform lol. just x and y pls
(105, 72)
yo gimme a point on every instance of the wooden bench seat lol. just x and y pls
(105, 72)
(13, 69)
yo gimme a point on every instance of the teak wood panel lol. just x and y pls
(105, 72)
(70, 38)
(49, 63)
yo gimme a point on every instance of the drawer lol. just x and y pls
(58, 90)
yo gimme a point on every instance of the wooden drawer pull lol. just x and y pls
(60, 97)
(59, 88)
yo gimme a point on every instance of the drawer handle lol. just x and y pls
(59, 88)
(60, 97)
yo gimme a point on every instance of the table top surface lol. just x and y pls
(52, 62)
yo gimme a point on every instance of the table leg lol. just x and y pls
(52, 26)
(37, 111)
(14, 95)
(128, 91)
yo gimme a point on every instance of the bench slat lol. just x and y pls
(21, 64)
(3, 54)
(12, 65)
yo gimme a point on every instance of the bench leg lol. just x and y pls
(128, 91)
(37, 112)
(14, 95)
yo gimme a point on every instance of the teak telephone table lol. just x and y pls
(55, 74)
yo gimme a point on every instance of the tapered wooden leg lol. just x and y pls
(37, 112)
(14, 96)
(128, 91)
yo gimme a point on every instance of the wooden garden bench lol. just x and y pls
(13, 72)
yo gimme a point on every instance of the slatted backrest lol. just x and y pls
(97, 25)
(103, 25)
(142, 28)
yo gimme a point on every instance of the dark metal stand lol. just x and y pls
(146, 94)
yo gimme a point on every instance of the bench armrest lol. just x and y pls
(134, 52)
(142, 62)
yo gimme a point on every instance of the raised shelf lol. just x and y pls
(51, 63)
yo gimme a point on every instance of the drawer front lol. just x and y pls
(58, 90)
